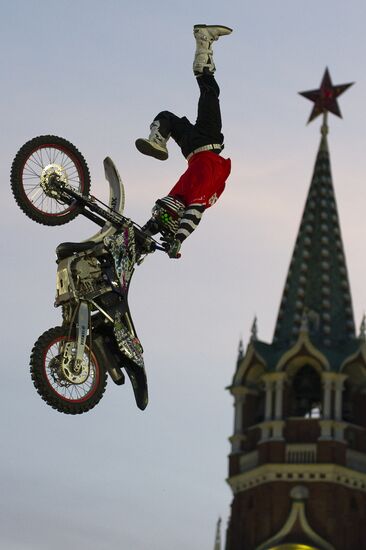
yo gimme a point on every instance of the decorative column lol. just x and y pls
(278, 424)
(339, 424)
(238, 421)
(326, 423)
(280, 380)
(267, 378)
(268, 411)
(339, 381)
(240, 394)
(272, 427)
(327, 384)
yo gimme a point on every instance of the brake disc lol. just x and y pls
(75, 372)
(55, 170)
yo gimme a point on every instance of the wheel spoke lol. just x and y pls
(72, 173)
(36, 162)
(31, 170)
(40, 158)
(33, 197)
(69, 162)
(35, 159)
(47, 151)
(30, 178)
(30, 186)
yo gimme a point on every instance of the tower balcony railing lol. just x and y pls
(305, 453)
(300, 453)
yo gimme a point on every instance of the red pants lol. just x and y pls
(204, 180)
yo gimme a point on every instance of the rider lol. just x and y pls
(177, 215)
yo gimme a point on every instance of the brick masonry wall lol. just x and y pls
(334, 512)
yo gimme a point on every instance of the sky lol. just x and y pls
(96, 73)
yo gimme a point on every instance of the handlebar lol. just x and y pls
(146, 241)
(159, 247)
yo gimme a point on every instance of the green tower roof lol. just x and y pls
(317, 290)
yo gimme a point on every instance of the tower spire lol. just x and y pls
(317, 279)
(218, 535)
(254, 330)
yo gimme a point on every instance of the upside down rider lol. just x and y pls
(178, 214)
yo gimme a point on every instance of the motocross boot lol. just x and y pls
(205, 35)
(155, 144)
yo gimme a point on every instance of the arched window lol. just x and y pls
(306, 393)
(260, 404)
(254, 403)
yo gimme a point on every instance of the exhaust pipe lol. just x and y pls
(103, 347)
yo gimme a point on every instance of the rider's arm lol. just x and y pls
(188, 223)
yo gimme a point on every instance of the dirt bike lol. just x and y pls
(69, 364)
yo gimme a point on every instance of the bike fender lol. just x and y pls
(116, 199)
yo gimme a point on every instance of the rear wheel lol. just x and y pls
(34, 164)
(67, 389)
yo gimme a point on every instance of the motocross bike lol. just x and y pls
(69, 364)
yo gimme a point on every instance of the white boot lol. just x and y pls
(205, 35)
(155, 144)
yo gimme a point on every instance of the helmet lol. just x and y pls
(167, 213)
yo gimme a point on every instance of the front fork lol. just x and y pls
(82, 325)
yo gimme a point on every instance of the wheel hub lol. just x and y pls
(71, 370)
(49, 174)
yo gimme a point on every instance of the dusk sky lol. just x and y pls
(95, 73)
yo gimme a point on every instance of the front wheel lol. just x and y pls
(68, 390)
(32, 170)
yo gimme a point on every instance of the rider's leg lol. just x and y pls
(205, 35)
(164, 126)
(167, 124)
(155, 144)
(208, 121)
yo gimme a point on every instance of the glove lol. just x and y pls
(173, 249)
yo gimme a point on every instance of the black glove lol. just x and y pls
(151, 227)
(173, 249)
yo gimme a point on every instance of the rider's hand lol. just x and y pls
(174, 248)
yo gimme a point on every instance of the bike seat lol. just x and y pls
(67, 249)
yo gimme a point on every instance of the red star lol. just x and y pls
(325, 99)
